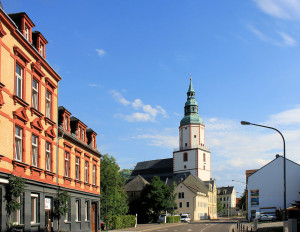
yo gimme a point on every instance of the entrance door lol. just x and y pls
(48, 214)
(93, 217)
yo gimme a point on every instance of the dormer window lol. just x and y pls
(66, 123)
(41, 49)
(82, 137)
(79, 132)
(26, 32)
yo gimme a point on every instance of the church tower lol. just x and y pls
(192, 155)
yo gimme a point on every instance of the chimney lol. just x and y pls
(277, 155)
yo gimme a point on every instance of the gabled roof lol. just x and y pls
(196, 183)
(136, 184)
(228, 190)
(153, 168)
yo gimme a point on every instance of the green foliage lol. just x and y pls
(219, 206)
(173, 219)
(61, 204)
(14, 190)
(121, 221)
(243, 200)
(114, 196)
(157, 197)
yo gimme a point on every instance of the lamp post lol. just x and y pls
(284, 167)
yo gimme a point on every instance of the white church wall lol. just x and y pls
(202, 136)
(185, 137)
(195, 133)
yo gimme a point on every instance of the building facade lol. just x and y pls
(29, 134)
(265, 187)
(227, 197)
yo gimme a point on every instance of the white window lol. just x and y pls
(86, 210)
(35, 94)
(82, 135)
(77, 210)
(16, 215)
(66, 123)
(94, 174)
(19, 81)
(79, 132)
(26, 32)
(67, 163)
(48, 104)
(48, 156)
(86, 172)
(34, 208)
(34, 150)
(77, 167)
(18, 143)
(93, 143)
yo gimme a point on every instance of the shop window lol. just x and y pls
(19, 81)
(48, 156)
(77, 210)
(35, 94)
(18, 143)
(35, 148)
(87, 211)
(34, 208)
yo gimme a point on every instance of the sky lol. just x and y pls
(125, 68)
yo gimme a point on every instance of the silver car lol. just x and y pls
(266, 217)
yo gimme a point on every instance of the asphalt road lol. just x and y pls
(197, 227)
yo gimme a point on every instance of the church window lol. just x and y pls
(203, 167)
(185, 157)
(204, 160)
(186, 144)
(195, 136)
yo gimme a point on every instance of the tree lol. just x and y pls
(243, 200)
(219, 206)
(157, 197)
(114, 196)
(61, 205)
(13, 196)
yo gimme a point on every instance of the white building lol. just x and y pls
(227, 196)
(265, 187)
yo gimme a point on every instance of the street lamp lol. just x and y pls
(284, 171)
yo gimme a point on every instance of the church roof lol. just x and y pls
(153, 167)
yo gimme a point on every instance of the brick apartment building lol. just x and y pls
(31, 124)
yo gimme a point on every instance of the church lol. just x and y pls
(190, 168)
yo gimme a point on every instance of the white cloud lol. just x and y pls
(118, 97)
(94, 85)
(287, 39)
(284, 9)
(100, 52)
(146, 112)
(284, 39)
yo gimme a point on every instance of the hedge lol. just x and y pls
(121, 221)
(171, 218)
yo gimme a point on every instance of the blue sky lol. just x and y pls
(126, 66)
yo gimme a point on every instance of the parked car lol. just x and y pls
(161, 217)
(266, 217)
(185, 217)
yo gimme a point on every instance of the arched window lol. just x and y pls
(185, 157)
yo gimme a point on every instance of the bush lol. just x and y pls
(121, 221)
(171, 219)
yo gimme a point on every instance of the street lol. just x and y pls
(198, 227)
(182, 227)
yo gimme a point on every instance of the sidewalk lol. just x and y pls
(260, 226)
